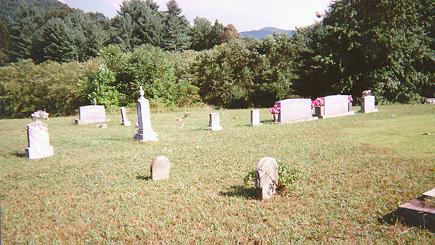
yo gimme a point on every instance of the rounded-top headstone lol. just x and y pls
(267, 177)
(160, 168)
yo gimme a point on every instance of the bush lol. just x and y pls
(59, 88)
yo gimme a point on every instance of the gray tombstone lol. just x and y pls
(368, 104)
(295, 110)
(337, 106)
(160, 168)
(214, 122)
(124, 119)
(39, 115)
(255, 117)
(91, 114)
(266, 179)
(145, 131)
(430, 101)
(38, 142)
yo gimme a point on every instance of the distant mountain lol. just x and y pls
(262, 33)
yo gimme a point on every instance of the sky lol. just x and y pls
(246, 15)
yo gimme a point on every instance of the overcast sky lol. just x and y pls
(244, 14)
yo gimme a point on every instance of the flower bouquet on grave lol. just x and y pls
(275, 112)
(319, 106)
(350, 99)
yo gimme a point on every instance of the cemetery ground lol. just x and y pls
(355, 171)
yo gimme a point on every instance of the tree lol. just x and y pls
(217, 34)
(177, 29)
(230, 33)
(200, 34)
(4, 42)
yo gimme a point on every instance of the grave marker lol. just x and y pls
(38, 142)
(295, 110)
(145, 131)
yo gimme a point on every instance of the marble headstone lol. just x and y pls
(255, 117)
(368, 104)
(266, 179)
(295, 110)
(145, 131)
(91, 114)
(337, 106)
(124, 119)
(38, 142)
(160, 168)
(39, 115)
(214, 122)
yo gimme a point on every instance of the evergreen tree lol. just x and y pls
(177, 29)
(217, 34)
(200, 34)
(4, 42)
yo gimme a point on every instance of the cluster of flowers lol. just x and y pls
(318, 102)
(275, 109)
(350, 98)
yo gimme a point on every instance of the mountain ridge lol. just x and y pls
(264, 32)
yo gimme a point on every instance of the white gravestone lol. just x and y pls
(38, 142)
(91, 114)
(295, 110)
(337, 106)
(266, 179)
(145, 131)
(160, 168)
(124, 119)
(255, 117)
(39, 115)
(214, 122)
(368, 104)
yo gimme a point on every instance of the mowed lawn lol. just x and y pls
(356, 171)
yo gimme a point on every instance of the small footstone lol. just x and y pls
(160, 168)
(266, 179)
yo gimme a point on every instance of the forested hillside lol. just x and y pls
(383, 45)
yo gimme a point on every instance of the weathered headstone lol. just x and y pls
(255, 117)
(266, 180)
(38, 142)
(419, 212)
(91, 114)
(430, 101)
(160, 168)
(39, 115)
(337, 106)
(295, 110)
(124, 119)
(145, 131)
(368, 104)
(214, 122)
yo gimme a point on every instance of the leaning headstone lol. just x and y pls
(368, 104)
(295, 110)
(267, 177)
(160, 168)
(255, 117)
(214, 122)
(39, 115)
(91, 114)
(124, 119)
(145, 131)
(337, 106)
(38, 142)
(419, 212)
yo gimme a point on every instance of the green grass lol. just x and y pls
(356, 170)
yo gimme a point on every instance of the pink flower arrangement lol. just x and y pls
(320, 101)
(350, 98)
(275, 109)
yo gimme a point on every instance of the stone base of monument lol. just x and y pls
(300, 120)
(219, 128)
(419, 212)
(146, 137)
(43, 152)
(84, 122)
(126, 123)
(350, 113)
(375, 110)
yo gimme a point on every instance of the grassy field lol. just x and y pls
(96, 188)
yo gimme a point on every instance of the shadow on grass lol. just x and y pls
(19, 154)
(143, 177)
(267, 121)
(240, 191)
(390, 218)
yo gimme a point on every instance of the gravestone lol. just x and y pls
(214, 122)
(39, 115)
(419, 212)
(266, 179)
(38, 142)
(430, 101)
(145, 131)
(295, 110)
(337, 106)
(160, 168)
(368, 104)
(255, 117)
(124, 119)
(91, 114)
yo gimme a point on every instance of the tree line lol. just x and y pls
(383, 45)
